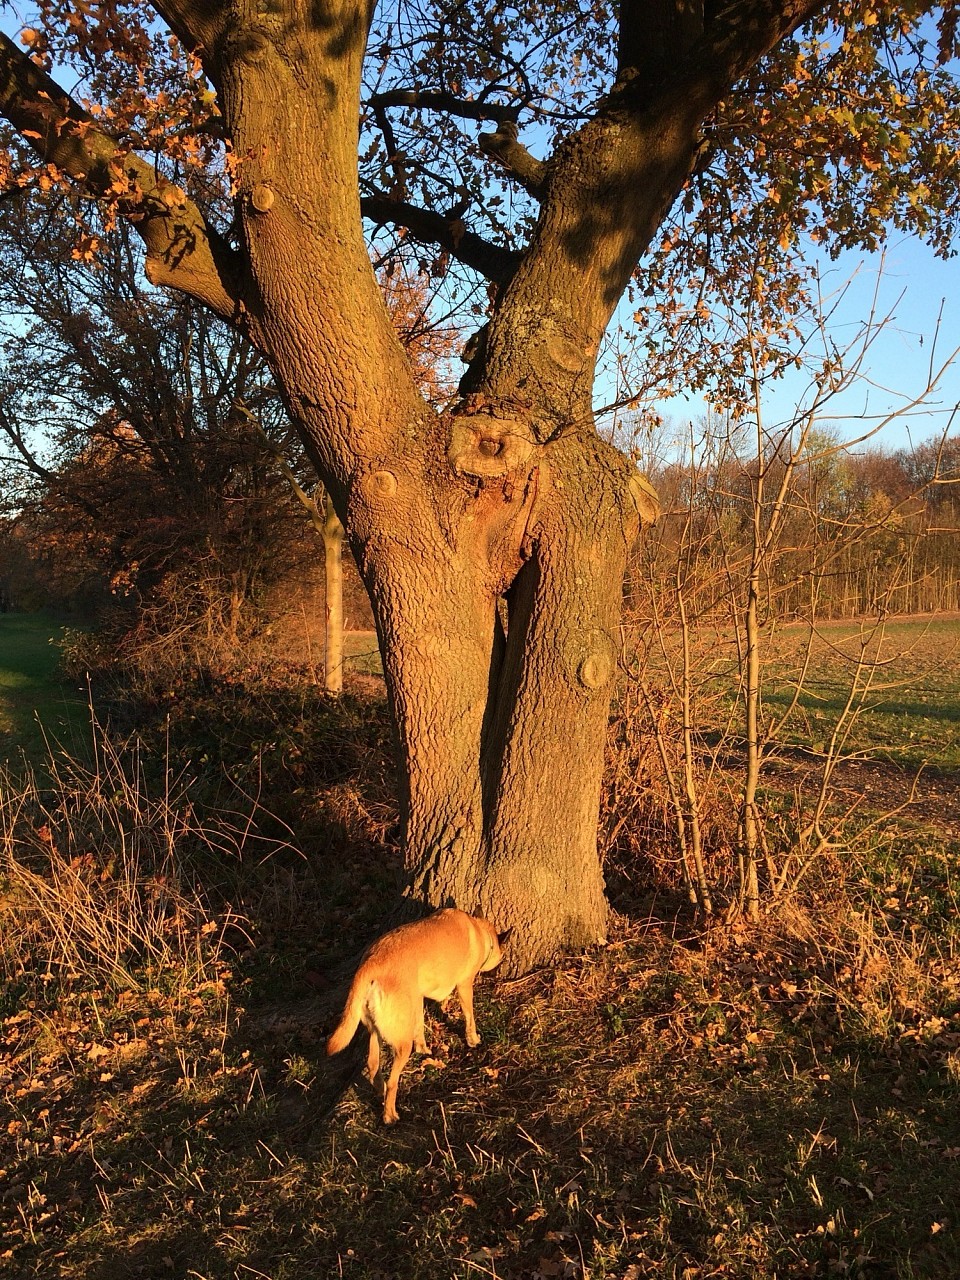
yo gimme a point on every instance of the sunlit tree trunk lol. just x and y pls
(492, 541)
(333, 535)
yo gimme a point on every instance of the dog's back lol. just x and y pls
(432, 958)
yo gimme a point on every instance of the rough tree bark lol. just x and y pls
(492, 541)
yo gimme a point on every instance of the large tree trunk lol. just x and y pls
(498, 599)
(493, 541)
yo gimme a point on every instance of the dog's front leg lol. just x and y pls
(420, 1033)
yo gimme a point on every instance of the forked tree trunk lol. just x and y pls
(492, 542)
(502, 711)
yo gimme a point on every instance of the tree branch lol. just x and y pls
(440, 100)
(449, 233)
(654, 34)
(394, 158)
(530, 172)
(183, 252)
(27, 459)
(196, 25)
(704, 62)
(610, 185)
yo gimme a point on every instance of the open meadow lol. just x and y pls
(34, 699)
(907, 676)
(179, 915)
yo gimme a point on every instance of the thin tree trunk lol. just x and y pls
(750, 887)
(333, 535)
(691, 811)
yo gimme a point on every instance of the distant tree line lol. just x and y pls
(863, 529)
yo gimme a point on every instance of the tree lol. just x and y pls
(493, 537)
(131, 415)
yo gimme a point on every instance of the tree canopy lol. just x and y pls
(842, 132)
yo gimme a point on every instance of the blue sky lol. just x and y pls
(912, 285)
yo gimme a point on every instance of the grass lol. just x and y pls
(907, 675)
(672, 1106)
(32, 694)
(911, 700)
(687, 1103)
(362, 653)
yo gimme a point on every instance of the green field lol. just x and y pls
(362, 653)
(908, 677)
(35, 702)
(904, 677)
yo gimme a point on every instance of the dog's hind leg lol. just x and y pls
(373, 1057)
(401, 1054)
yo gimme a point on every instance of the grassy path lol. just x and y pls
(32, 694)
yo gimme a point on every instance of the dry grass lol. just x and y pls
(686, 1103)
(99, 876)
(675, 1105)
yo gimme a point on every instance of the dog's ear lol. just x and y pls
(504, 938)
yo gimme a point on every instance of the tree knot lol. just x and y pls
(484, 447)
(597, 661)
(261, 197)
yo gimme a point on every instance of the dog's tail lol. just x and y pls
(352, 1013)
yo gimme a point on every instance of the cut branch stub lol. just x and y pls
(379, 485)
(372, 493)
(597, 665)
(566, 352)
(488, 448)
(595, 670)
(644, 498)
(261, 198)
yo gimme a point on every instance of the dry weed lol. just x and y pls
(96, 881)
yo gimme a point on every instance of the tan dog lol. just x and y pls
(430, 957)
